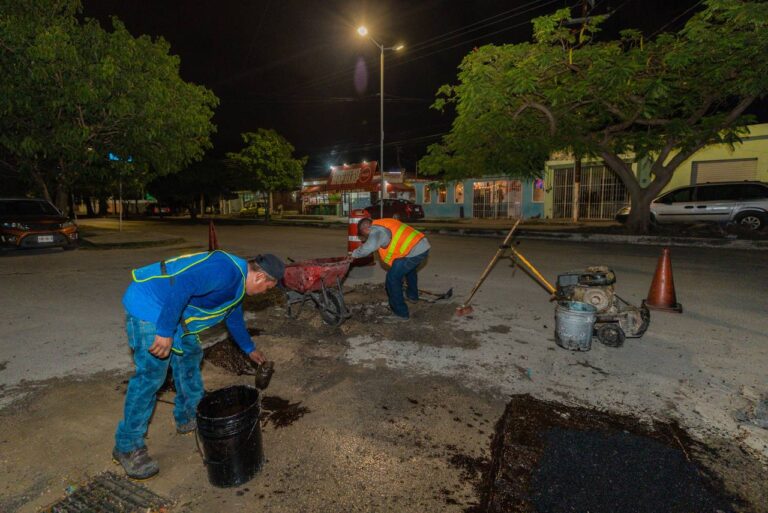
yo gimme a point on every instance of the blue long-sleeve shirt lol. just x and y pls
(210, 283)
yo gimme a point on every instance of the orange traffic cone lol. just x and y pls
(662, 296)
(213, 242)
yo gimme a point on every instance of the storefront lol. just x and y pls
(349, 187)
(482, 198)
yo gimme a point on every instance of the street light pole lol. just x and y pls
(364, 32)
(381, 129)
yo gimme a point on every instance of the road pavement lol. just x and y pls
(62, 318)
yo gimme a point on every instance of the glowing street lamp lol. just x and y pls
(364, 32)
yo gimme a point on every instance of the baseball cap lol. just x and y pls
(271, 265)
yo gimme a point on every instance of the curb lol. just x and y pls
(599, 238)
(89, 244)
(642, 240)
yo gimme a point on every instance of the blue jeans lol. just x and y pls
(403, 268)
(149, 377)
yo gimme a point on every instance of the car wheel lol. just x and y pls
(752, 220)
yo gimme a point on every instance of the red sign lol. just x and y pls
(352, 177)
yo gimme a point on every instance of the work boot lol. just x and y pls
(137, 463)
(187, 427)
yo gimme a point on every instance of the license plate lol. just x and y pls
(45, 238)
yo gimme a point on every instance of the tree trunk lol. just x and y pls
(40, 181)
(71, 206)
(639, 220)
(268, 209)
(103, 206)
(61, 197)
(89, 207)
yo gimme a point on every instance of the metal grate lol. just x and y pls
(601, 193)
(110, 493)
(497, 199)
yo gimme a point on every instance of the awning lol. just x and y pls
(313, 189)
(398, 187)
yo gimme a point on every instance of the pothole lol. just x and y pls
(551, 458)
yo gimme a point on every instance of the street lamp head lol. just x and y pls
(399, 47)
(362, 31)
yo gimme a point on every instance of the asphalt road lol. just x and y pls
(62, 314)
(62, 319)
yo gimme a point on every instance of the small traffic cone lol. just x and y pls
(213, 242)
(662, 296)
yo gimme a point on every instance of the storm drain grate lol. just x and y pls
(110, 493)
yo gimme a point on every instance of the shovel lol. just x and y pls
(435, 296)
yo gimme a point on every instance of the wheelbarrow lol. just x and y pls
(318, 281)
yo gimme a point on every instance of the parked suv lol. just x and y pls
(396, 209)
(34, 223)
(745, 203)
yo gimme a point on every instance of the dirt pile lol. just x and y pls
(266, 316)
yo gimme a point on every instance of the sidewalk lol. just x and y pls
(103, 233)
(106, 233)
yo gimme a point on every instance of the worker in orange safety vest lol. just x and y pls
(403, 249)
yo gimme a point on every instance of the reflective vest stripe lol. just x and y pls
(393, 243)
(408, 240)
(165, 262)
(194, 318)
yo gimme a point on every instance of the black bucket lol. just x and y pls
(228, 425)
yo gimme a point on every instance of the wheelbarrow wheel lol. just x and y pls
(333, 311)
(610, 335)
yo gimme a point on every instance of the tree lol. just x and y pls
(266, 164)
(72, 93)
(660, 100)
(208, 177)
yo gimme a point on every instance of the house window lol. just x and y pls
(442, 194)
(427, 194)
(458, 193)
(538, 190)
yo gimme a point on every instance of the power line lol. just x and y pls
(673, 20)
(331, 77)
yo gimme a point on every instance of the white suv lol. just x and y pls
(745, 203)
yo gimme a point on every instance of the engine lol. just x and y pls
(594, 286)
(615, 317)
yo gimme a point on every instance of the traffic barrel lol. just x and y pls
(353, 239)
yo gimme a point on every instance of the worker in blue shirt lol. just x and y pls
(168, 304)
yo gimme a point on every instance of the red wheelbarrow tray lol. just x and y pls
(309, 275)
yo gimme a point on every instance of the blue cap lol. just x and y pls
(271, 265)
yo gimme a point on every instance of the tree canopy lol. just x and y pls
(661, 99)
(266, 163)
(73, 92)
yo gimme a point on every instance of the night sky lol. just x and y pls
(299, 66)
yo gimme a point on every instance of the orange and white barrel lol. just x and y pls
(353, 239)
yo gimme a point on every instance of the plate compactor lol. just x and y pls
(616, 318)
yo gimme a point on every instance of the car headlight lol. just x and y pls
(16, 226)
(67, 224)
(624, 211)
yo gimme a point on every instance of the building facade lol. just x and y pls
(481, 198)
(349, 187)
(601, 194)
